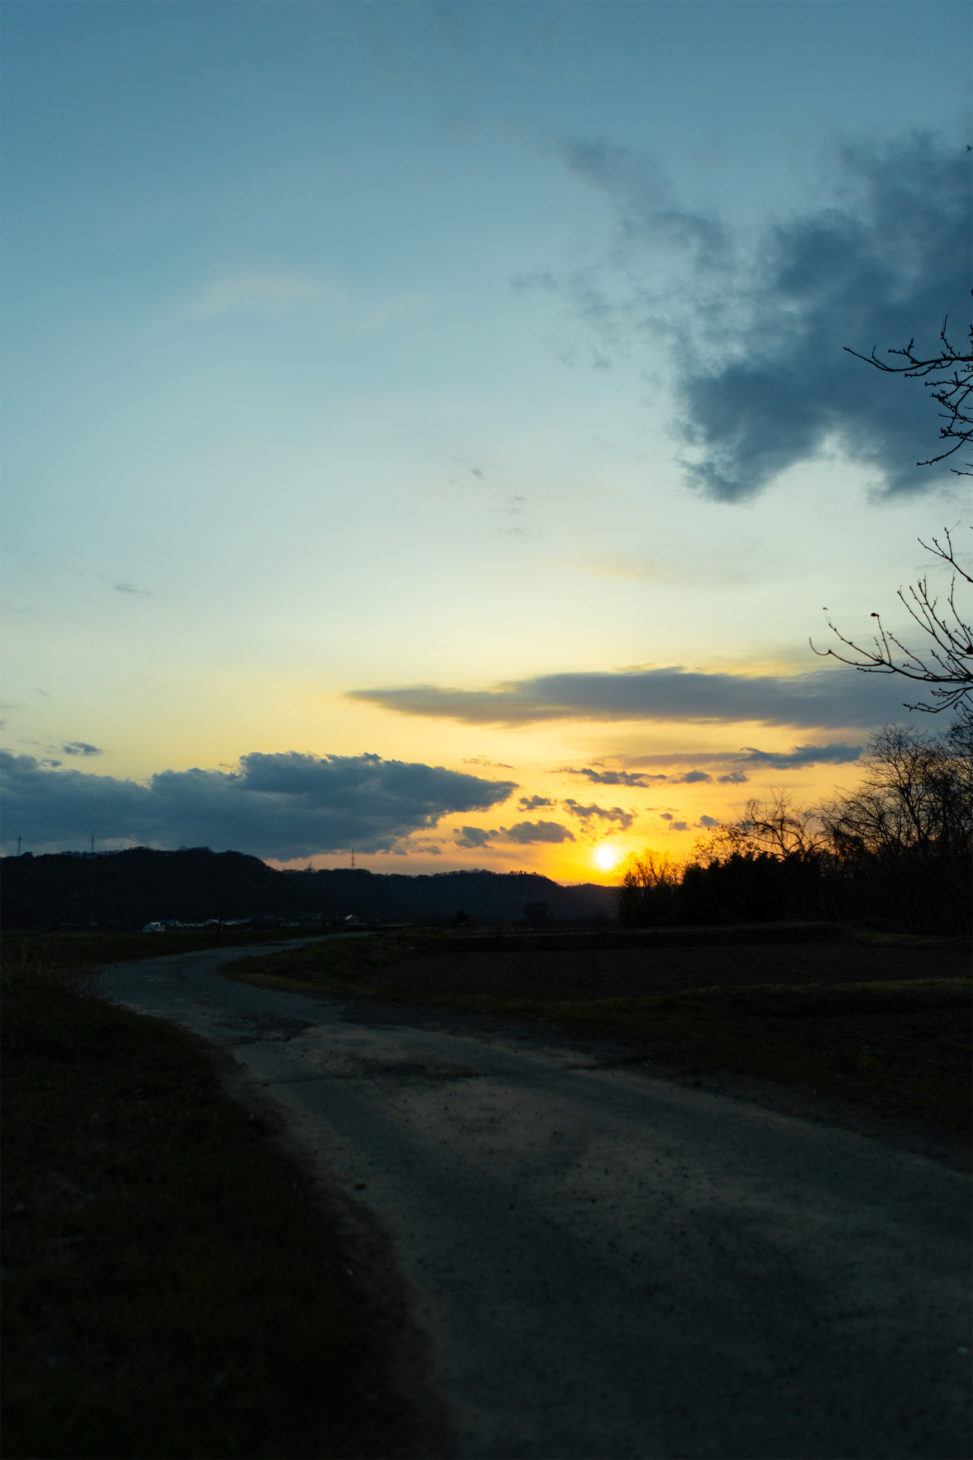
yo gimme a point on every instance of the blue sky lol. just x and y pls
(369, 363)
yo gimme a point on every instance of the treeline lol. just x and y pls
(897, 851)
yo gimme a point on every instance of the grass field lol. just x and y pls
(901, 1046)
(171, 1289)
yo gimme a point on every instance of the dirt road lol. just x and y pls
(607, 1263)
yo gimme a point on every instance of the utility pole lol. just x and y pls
(19, 840)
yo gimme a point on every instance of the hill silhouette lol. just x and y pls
(131, 888)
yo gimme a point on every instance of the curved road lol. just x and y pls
(607, 1263)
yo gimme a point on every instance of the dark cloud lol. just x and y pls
(80, 747)
(883, 264)
(473, 836)
(587, 814)
(537, 831)
(611, 778)
(802, 755)
(757, 333)
(707, 821)
(534, 803)
(832, 697)
(285, 805)
(673, 824)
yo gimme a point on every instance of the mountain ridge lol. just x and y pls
(140, 885)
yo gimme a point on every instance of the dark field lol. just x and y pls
(883, 1021)
(611, 973)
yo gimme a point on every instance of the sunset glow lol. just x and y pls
(428, 429)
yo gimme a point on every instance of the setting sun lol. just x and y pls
(607, 856)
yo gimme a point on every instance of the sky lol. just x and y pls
(429, 436)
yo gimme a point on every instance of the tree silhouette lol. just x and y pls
(949, 377)
(946, 660)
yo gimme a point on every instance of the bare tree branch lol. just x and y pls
(949, 376)
(946, 661)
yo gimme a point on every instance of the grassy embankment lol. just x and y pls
(899, 1046)
(171, 1289)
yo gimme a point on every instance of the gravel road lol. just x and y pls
(606, 1263)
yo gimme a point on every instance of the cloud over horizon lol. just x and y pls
(611, 778)
(281, 805)
(526, 832)
(522, 833)
(823, 698)
(802, 755)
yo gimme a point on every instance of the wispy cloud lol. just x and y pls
(80, 747)
(726, 768)
(274, 296)
(267, 295)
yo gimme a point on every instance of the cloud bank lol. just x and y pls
(282, 806)
(821, 698)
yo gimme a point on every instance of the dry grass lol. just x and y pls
(171, 1288)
